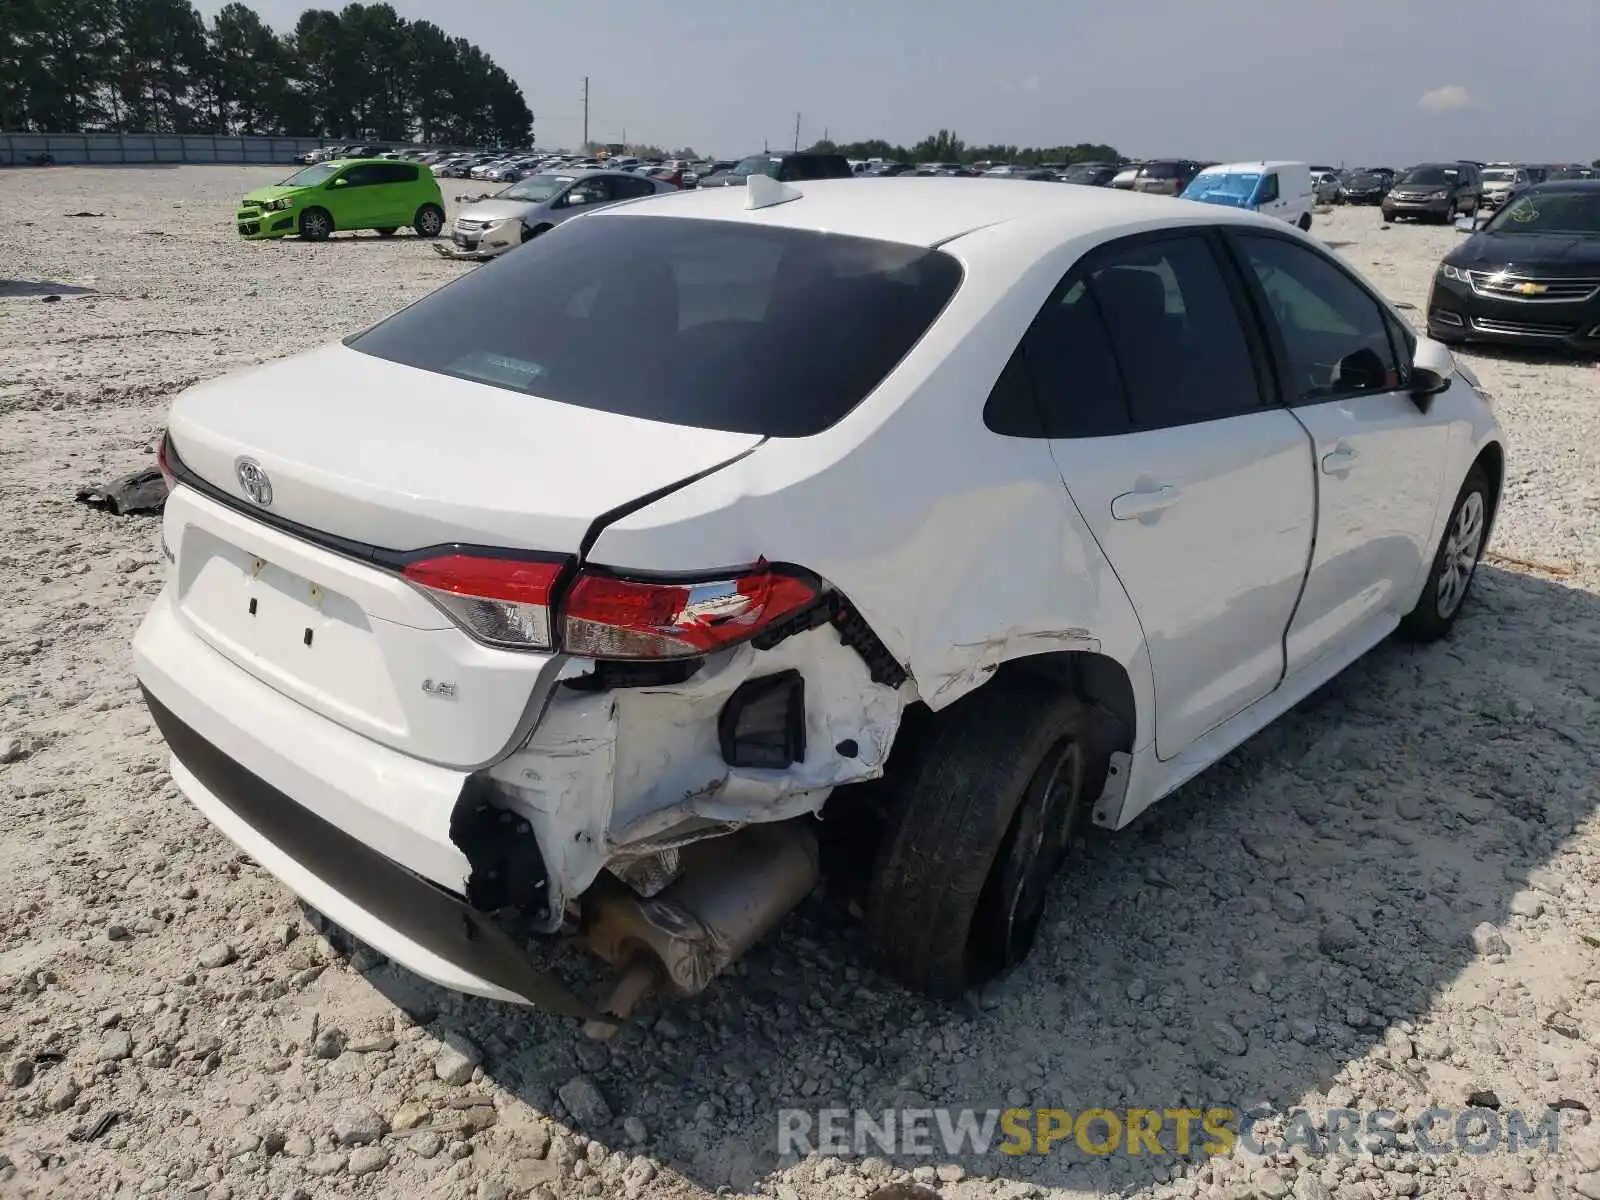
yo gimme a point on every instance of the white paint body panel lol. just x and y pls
(1215, 575)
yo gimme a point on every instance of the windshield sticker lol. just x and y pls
(1524, 213)
(498, 369)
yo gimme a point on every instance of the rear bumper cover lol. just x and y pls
(431, 931)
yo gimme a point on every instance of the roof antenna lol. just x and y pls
(763, 191)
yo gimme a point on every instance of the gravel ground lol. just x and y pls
(1388, 899)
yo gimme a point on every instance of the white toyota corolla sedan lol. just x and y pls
(560, 602)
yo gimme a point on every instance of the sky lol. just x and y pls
(1327, 81)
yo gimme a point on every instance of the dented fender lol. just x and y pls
(634, 770)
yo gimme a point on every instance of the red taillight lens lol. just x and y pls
(605, 617)
(164, 461)
(505, 601)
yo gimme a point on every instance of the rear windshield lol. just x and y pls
(1162, 171)
(714, 324)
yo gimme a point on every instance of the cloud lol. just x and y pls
(1445, 99)
(1031, 84)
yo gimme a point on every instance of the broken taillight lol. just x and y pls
(522, 603)
(604, 616)
(164, 461)
(501, 600)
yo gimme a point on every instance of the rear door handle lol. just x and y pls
(1338, 461)
(1131, 506)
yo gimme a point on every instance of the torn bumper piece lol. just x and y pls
(418, 924)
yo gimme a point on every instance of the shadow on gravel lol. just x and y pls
(1531, 356)
(1258, 932)
(11, 289)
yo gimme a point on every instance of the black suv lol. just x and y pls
(1436, 191)
(786, 168)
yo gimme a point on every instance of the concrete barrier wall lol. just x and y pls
(101, 149)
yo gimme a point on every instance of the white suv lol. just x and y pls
(561, 601)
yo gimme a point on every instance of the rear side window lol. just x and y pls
(714, 324)
(1175, 332)
(397, 173)
(1068, 373)
(628, 188)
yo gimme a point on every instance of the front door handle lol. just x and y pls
(1131, 506)
(1339, 461)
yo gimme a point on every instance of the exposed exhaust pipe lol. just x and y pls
(732, 891)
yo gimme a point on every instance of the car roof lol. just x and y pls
(1266, 164)
(925, 210)
(589, 172)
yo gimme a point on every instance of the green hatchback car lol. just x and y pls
(361, 193)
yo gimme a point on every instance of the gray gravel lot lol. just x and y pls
(1389, 899)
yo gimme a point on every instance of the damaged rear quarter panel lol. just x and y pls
(606, 770)
(960, 547)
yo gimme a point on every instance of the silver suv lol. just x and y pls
(530, 206)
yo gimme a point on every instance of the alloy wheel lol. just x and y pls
(1461, 549)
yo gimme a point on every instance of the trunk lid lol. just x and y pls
(399, 458)
(382, 455)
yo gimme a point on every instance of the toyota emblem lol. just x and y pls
(254, 481)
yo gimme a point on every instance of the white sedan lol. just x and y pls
(561, 601)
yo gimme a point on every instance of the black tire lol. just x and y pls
(1455, 563)
(1304, 222)
(316, 224)
(960, 879)
(389, 231)
(429, 222)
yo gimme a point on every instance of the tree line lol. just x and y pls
(154, 66)
(946, 147)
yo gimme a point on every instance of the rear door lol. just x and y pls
(1379, 459)
(1154, 393)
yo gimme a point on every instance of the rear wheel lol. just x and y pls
(429, 222)
(1455, 563)
(316, 224)
(1304, 222)
(960, 883)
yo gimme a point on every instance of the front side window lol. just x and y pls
(1269, 189)
(1335, 338)
(364, 175)
(713, 324)
(586, 191)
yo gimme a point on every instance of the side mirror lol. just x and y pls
(340, 182)
(1432, 369)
